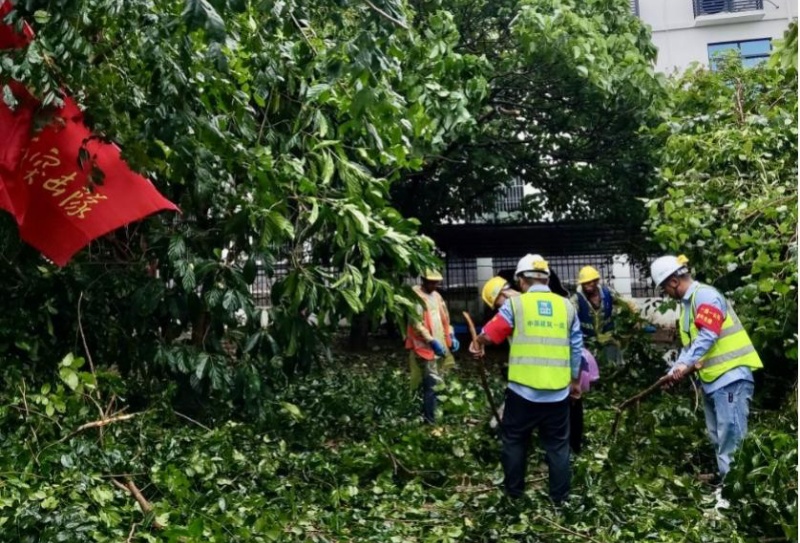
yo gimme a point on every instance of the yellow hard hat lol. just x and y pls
(492, 289)
(587, 274)
(682, 259)
(432, 275)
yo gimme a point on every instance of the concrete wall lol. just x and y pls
(682, 39)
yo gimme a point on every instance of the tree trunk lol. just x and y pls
(359, 331)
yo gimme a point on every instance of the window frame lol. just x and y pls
(712, 62)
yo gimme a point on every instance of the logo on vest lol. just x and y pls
(545, 308)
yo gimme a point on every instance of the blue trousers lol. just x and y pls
(520, 418)
(726, 412)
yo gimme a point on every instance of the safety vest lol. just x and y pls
(540, 349)
(592, 320)
(732, 349)
(414, 340)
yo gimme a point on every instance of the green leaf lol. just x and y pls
(69, 377)
(360, 218)
(292, 410)
(67, 360)
(327, 168)
(41, 16)
(352, 300)
(201, 14)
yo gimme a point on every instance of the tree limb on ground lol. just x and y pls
(146, 507)
(98, 424)
(636, 398)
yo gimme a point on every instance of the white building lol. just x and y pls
(687, 31)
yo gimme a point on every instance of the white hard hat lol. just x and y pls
(533, 266)
(665, 266)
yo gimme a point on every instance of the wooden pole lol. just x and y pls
(484, 381)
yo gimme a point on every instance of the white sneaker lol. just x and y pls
(722, 503)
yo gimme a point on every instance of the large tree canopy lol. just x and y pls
(570, 86)
(270, 124)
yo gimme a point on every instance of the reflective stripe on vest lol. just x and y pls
(732, 349)
(540, 348)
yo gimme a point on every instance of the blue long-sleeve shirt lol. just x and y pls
(576, 344)
(706, 338)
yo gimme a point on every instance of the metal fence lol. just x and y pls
(566, 268)
(461, 288)
(641, 284)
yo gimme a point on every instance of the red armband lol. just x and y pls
(709, 317)
(497, 329)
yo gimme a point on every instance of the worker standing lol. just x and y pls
(713, 337)
(495, 293)
(595, 304)
(430, 342)
(543, 366)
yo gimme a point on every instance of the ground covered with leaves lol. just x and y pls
(342, 455)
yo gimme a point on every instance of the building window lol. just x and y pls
(713, 7)
(511, 199)
(752, 52)
(635, 7)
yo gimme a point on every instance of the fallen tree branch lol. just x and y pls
(636, 398)
(132, 532)
(467, 489)
(398, 22)
(567, 530)
(190, 419)
(146, 507)
(104, 422)
(98, 424)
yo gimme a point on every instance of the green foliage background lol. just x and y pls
(300, 137)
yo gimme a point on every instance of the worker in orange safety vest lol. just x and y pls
(431, 342)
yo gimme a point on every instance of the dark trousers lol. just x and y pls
(519, 420)
(429, 383)
(576, 425)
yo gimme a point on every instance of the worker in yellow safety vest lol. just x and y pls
(543, 366)
(713, 338)
(495, 292)
(430, 342)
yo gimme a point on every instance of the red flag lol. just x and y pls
(47, 190)
(9, 37)
(15, 133)
(15, 125)
(63, 214)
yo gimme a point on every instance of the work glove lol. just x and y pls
(438, 348)
(456, 344)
